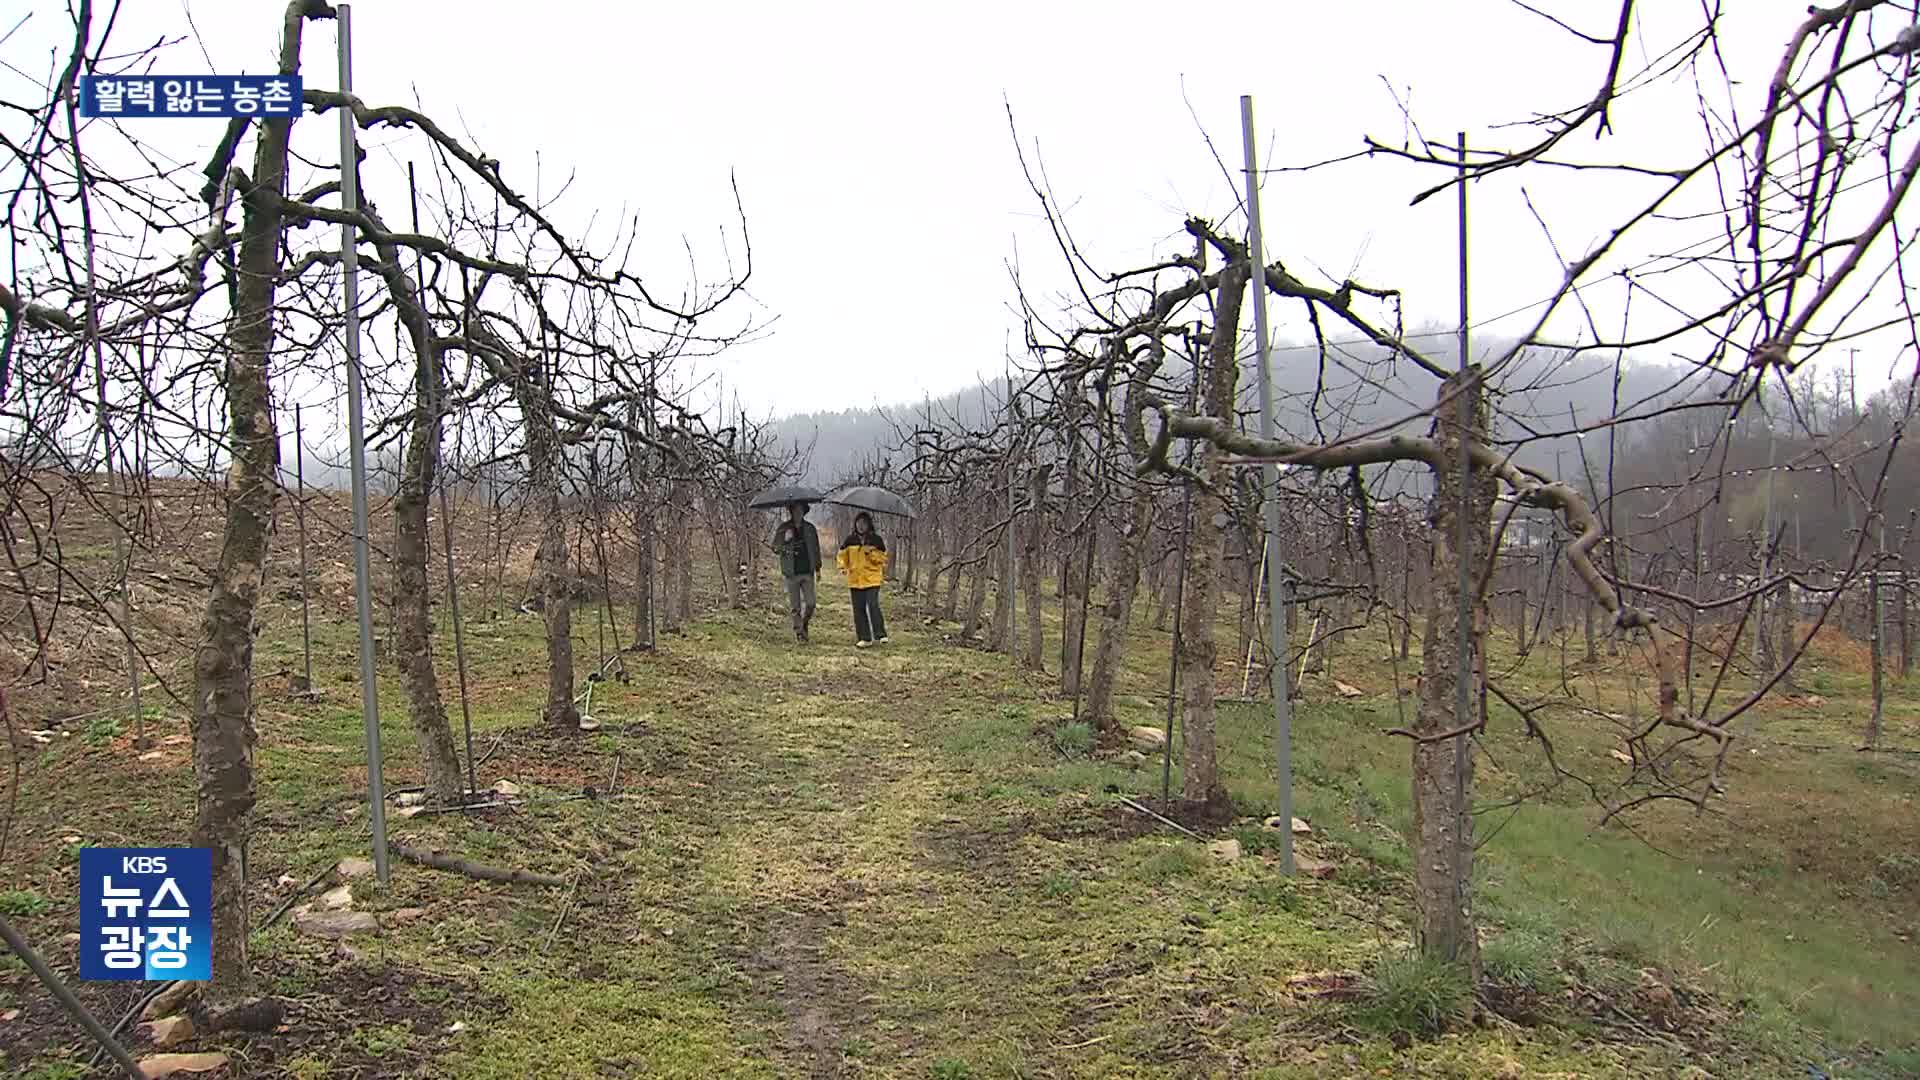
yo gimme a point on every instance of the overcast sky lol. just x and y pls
(871, 145)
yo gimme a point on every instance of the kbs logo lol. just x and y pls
(145, 913)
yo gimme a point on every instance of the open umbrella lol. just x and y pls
(780, 495)
(874, 499)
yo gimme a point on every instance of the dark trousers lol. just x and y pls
(868, 623)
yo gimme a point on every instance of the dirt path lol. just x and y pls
(820, 754)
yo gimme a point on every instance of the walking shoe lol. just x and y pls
(884, 640)
(861, 644)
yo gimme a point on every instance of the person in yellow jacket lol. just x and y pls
(863, 558)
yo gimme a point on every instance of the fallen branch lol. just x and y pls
(564, 909)
(1152, 813)
(439, 860)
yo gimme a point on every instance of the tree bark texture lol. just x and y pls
(1443, 767)
(1206, 554)
(1122, 585)
(223, 731)
(1031, 563)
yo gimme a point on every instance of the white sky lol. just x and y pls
(872, 151)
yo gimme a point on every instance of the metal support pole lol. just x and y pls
(1463, 714)
(357, 447)
(64, 995)
(300, 525)
(1277, 598)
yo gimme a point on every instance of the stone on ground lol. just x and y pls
(1312, 867)
(338, 898)
(1300, 828)
(1148, 738)
(169, 1000)
(167, 1032)
(1225, 850)
(156, 1066)
(353, 867)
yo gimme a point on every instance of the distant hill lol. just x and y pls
(1358, 388)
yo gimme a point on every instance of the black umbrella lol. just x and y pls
(874, 499)
(775, 497)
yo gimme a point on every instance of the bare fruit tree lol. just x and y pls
(513, 320)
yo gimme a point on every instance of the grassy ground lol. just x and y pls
(898, 862)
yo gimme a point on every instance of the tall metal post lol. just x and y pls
(1277, 598)
(1463, 690)
(300, 525)
(357, 447)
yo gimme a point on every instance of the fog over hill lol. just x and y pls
(1359, 388)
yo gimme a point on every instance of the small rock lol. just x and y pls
(1622, 757)
(353, 867)
(408, 811)
(411, 798)
(1135, 758)
(338, 898)
(152, 755)
(156, 1066)
(9, 1016)
(404, 916)
(1312, 867)
(1347, 690)
(70, 839)
(167, 1032)
(506, 787)
(588, 723)
(286, 881)
(169, 1001)
(336, 924)
(456, 1027)
(1225, 850)
(1147, 738)
(71, 939)
(1300, 828)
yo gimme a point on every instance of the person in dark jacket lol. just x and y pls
(798, 543)
(863, 558)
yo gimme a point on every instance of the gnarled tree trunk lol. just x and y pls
(412, 603)
(1035, 656)
(1001, 637)
(223, 732)
(550, 560)
(1122, 584)
(1206, 552)
(1443, 766)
